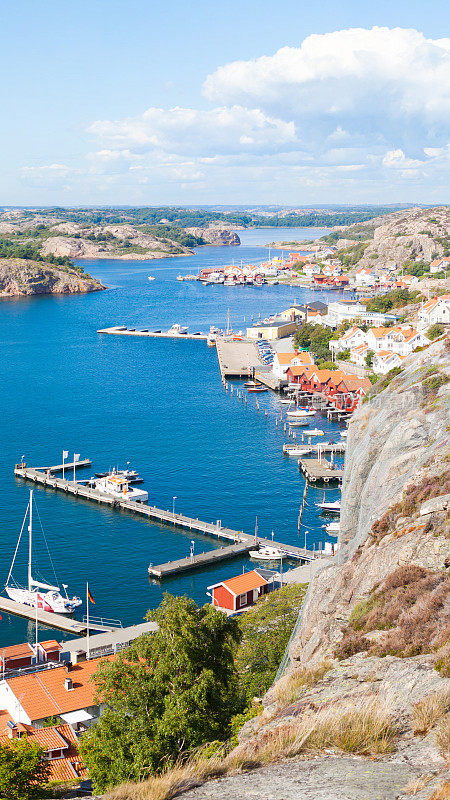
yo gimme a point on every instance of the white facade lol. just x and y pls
(347, 311)
(383, 362)
(351, 338)
(435, 311)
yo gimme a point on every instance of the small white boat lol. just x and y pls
(314, 432)
(334, 506)
(50, 600)
(297, 423)
(301, 412)
(177, 329)
(267, 554)
(151, 277)
(285, 401)
(297, 452)
(211, 339)
(179, 278)
(333, 528)
(344, 434)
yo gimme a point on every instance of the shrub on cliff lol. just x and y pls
(170, 692)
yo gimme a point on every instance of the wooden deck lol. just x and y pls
(316, 471)
(122, 330)
(58, 621)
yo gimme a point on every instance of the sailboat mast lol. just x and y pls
(30, 541)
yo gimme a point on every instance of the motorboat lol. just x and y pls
(211, 339)
(314, 432)
(177, 329)
(333, 506)
(285, 401)
(119, 487)
(301, 412)
(180, 278)
(267, 553)
(131, 475)
(297, 451)
(301, 422)
(344, 434)
(151, 277)
(49, 600)
(257, 388)
(333, 528)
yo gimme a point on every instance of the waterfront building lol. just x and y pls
(239, 593)
(103, 644)
(353, 311)
(277, 329)
(282, 362)
(21, 656)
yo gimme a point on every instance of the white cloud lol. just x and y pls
(396, 159)
(192, 131)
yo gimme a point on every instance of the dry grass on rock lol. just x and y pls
(442, 792)
(291, 687)
(429, 711)
(443, 737)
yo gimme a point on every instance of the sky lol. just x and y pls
(143, 102)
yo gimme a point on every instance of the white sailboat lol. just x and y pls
(50, 600)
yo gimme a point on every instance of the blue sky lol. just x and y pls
(145, 102)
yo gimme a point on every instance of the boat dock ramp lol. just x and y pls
(240, 542)
(49, 618)
(122, 330)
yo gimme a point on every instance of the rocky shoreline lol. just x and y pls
(22, 278)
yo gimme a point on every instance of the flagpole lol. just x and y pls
(87, 619)
(37, 634)
(63, 463)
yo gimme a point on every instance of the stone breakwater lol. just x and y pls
(20, 277)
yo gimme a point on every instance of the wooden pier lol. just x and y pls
(326, 447)
(316, 471)
(191, 524)
(58, 621)
(122, 330)
(200, 560)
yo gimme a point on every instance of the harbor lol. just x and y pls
(122, 330)
(320, 470)
(50, 619)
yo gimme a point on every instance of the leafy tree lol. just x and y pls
(266, 629)
(315, 338)
(172, 691)
(395, 299)
(22, 770)
(435, 331)
(345, 355)
(369, 355)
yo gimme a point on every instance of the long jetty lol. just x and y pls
(191, 524)
(122, 330)
(320, 471)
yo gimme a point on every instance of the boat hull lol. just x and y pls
(55, 604)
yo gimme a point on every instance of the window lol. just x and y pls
(243, 599)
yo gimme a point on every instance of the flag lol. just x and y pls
(65, 454)
(76, 456)
(1, 616)
(90, 595)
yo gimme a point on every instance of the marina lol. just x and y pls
(122, 330)
(316, 470)
(49, 618)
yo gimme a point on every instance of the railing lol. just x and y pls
(14, 673)
(105, 621)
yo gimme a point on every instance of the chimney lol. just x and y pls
(68, 666)
(13, 731)
(68, 685)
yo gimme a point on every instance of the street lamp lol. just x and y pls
(305, 539)
(191, 554)
(173, 504)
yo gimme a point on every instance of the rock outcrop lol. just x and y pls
(109, 241)
(413, 234)
(216, 235)
(20, 277)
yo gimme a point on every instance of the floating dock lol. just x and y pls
(122, 330)
(58, 621)
(191, 524)
(326, 447)
(237, 358)
(316, 471)
(200, 560)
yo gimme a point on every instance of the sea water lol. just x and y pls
(157, 403)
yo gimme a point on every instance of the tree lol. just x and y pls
(172, 691)
(435, 331)
(369, 355)
(266, 629)
(316, 338)
(22, 770)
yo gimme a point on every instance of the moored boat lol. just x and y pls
(267, 553)
(49, 600)
(301, 412)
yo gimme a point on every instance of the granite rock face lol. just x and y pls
(412, 234)
(216, 235)
(20, 277)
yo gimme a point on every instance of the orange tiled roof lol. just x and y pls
(354, 329)
(285, 358)
(17, 651)
(67, 768)
(308, 370)
(42, 694)
(379, 332)
(245, 583)
(51, 644)
(353, 384)
(305, 358)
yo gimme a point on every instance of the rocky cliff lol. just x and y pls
(109, 241)
(216, 235)
(22, 277)
(369, 669)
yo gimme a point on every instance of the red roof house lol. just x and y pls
(239, 593)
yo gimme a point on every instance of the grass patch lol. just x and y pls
(442, 792)
(443, 737)
(292, 686)
(410, 605)
(429, 711)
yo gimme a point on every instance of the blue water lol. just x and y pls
(157, 403)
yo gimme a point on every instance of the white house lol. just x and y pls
(358, 354)
(384, 361)
(401, 339)
(351, 311)
(282, 362)
(436, 310)
(365, 277)
(353, 337)
(439, 265)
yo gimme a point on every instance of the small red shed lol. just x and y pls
(240, 592)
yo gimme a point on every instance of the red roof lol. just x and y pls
(245, 583)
